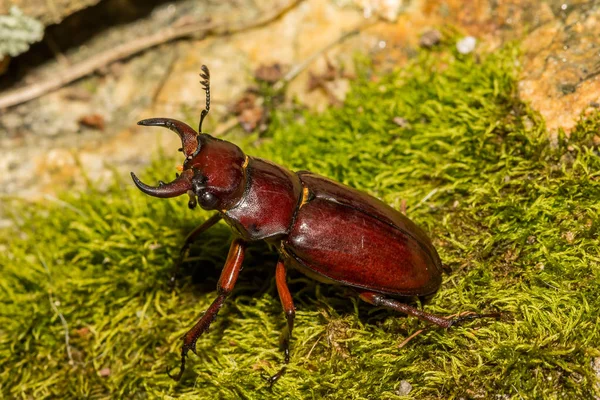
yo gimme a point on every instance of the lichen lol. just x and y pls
(18, 32)
(514, 217)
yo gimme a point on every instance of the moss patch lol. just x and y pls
(515, 219)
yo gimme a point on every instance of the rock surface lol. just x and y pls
(560, 66)
(48, 12)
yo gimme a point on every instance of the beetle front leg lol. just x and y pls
(380, 300)
(191, 238)
(290, 312)
(229, 276)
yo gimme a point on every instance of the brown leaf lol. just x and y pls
(269, 73)
(250, 118)
(318, 80)
(430, 38)
(82, 332)
(93, 121)
(246, 102)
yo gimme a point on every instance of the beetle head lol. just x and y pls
(212, 172)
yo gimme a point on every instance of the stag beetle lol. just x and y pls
(328, 231)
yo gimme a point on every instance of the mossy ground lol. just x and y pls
(515, 219)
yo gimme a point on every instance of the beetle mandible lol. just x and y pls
(328, 231)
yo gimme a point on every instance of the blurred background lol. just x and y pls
(76, 75)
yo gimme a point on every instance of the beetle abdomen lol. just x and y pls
(352, 238)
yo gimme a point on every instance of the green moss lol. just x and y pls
(515, 219)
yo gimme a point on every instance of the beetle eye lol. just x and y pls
(207, 200)
(198, 184)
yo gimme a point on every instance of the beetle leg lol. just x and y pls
(191, 238)
(288, 307)
(290, 312)
(229, 275)
(381, 301)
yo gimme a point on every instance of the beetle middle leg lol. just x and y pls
(290, 312)
(191, 238)
(381, 300)
(229, 276)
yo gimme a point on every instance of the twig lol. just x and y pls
(65, 327)
(298, 68)
(63, 320)
(55, 49)
(403, 204)
(411, 337)
(165, 77)
(225, 127)
(314, 345)
(517, 390)
(459, 314)
(424, 199)
(64, 204)
(76, 71)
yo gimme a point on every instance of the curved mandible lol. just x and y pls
(189, 137)
(179, 186)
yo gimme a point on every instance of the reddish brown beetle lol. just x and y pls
(328, 231)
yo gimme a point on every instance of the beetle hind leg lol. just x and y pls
(380, 300)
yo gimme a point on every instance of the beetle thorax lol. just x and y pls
(269, 202)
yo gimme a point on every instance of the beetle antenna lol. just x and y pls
(206, 86)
